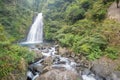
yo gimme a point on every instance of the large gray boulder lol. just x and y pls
(56, 74)
(104, 66)
(114, 76)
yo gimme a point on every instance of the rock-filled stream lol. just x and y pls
(55, 67)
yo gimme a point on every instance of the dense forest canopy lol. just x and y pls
(15, 19)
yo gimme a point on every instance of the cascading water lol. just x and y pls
(35, 35)
(36, 31)
(39, 68)
(58, 63)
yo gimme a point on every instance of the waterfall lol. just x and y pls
(35, 35)
(36, 31)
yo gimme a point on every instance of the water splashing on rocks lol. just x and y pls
(54, 64)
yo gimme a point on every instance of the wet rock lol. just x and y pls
(78, 60)
(45, 50)
(59, 75)
(48, 61)
(46, 69)
(86, 72)
(104, 66)
(88, 77)
(73, 55)
(38, 54)
(100, 70)
(57, 49)
(66, 68)
(56, 59)
(36, 68)
(61, 62)
(59, 67)
(115, 75)
(29, 75)
(63, 51)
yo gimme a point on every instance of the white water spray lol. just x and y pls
(36, 31)
(35, 35)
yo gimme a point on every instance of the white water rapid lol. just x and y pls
(59, 62)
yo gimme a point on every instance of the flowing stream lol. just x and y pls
(34, 37)
(58, 62)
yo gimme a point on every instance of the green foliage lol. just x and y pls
(86, 4)
(10, 55)
(2, 34)
(76, 24)
(112, 52)
(50, 30)
(98, 11)
(75, 13)
(15, 18)
(67, 40)
(10, 58)
(80, 25)
(22, 52)
(91, 46)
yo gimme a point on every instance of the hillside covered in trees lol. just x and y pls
(81, 26)
(15, 19)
